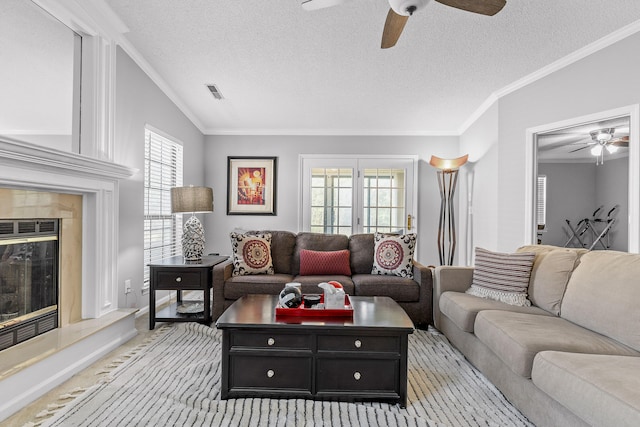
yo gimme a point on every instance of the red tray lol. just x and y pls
(347, 311)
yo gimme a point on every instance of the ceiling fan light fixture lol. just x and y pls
(612, 148)
(596, 150)
(602, 135)
(407, 7)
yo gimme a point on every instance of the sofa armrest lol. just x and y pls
(449, 278)
(221, 273)
(423, 275)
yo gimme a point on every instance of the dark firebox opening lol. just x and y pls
(28, 279)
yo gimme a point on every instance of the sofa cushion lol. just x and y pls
(502, 276)
(401, 289)
(600, 389)
(283, 244)
(603, 295)
(551, 271)
(324, 262)
(251, 253)
(393, 254)
(317, 242)
(237, 286)
(361, 248)
(462, 308)
(516, 338)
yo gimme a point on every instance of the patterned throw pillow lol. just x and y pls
(393, 255)
(502, 277)
(324, 262)
(251, 253)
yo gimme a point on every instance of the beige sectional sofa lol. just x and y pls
(412, 294)
(570, 359)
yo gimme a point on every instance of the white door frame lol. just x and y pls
(351, 158)
(531, 168)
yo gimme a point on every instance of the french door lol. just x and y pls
(350, 195)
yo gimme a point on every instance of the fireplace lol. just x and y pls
(28, 279)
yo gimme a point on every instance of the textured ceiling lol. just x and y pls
(284, 70)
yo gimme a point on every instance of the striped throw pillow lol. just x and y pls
(502, 277)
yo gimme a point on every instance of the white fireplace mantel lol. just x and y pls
(31, 167)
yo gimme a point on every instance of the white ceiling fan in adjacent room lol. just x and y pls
(601, 140)
(401, 10)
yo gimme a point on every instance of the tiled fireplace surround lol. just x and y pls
(37, 182)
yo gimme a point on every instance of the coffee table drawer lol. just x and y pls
(270, 372)
(357, 375)
(386, 344)
(271, 340)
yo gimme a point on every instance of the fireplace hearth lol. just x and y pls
(28, 279)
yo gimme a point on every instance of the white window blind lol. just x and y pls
(162, 170)
(541, 210)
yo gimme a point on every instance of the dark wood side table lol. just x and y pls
(176, 274)
(352, 359)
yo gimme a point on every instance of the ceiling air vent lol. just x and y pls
(215, 92)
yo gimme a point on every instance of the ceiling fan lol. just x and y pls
(603, 138)
(401, 10)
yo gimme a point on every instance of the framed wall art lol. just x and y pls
(251, 185)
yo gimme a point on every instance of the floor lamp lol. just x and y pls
(447, 181)
(192, 199)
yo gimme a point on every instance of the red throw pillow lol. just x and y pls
(329, 262)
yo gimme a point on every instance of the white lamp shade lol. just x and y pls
(596, 150)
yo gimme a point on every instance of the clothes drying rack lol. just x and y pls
(590, 232)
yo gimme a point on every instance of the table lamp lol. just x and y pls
(192, 199)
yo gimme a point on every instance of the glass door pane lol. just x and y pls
(384, 201)
(331, 200)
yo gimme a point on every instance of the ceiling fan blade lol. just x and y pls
(320, 4)
(393, 27)
(581, 148)
(620, 142)
(483, 7)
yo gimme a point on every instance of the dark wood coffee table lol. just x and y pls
(352, 359)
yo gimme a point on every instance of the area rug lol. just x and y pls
(174, 380)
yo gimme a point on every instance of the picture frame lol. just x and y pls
(251, 185)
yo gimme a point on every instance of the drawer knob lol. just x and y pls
(357, 343)
(270, 373)
(271, 341)
(178, 279)
(357, 375)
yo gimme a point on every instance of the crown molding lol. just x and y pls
(561, 63)
(325, 132)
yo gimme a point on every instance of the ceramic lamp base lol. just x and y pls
(192, 239)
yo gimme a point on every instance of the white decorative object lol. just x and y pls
(192, 199)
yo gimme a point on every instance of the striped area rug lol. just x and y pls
(174, 380)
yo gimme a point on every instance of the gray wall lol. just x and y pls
(576, 190)
(140, 102)
(588, 86)
(287, 149)
(479, 187)
(571, 194)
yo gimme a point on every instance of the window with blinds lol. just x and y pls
(162, 170)
(541, 209)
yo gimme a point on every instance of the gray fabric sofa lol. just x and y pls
(413, 295)
(570, 359)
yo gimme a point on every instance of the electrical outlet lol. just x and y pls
(127, 286)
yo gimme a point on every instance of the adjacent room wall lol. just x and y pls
(288, 149)
(140, 102)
